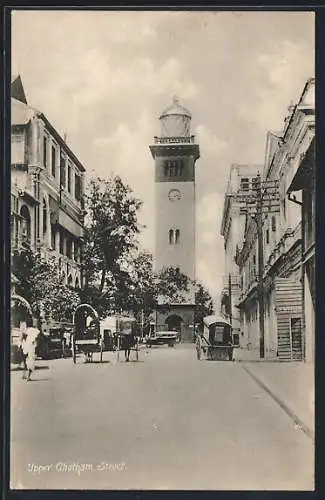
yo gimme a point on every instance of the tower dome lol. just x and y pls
(175, 121)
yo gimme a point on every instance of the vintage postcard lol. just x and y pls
(162, 250)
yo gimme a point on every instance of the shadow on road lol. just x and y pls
(39, 367)
(38, 380)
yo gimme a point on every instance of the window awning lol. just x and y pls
(305, 172)
(300, 180)
(69, 224)
(58, 216)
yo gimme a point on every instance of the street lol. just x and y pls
(167, 421)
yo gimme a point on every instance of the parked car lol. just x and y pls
(169, 337)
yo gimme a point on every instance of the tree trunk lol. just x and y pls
(102, 282)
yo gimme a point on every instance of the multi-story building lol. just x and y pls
(240, 182)
(304, 181)
(282, 244)
(47, 183)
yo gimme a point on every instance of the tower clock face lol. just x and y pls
(174, 195)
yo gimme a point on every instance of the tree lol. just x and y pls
(41, 285)
(111, 228)
(203, 304)
(143, 292)
(173, 286)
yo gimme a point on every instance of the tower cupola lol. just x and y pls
(175, 121)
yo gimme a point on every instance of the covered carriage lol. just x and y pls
(216, 340)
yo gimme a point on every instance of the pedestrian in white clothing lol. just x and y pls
(29, 350)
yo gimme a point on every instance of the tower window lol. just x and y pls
(171, 236)
(173, 168)
(177, 234)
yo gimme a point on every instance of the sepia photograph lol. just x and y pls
(162, 250)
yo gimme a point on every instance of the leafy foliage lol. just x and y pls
(110, 236)
(40, 284)
(203, 304)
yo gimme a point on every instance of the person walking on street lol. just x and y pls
(198, 345)
(22, 352)
(29, 350)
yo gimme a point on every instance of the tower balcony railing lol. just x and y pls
(175, 140)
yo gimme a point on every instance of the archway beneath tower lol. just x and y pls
(174, 322)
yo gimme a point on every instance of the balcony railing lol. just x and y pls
(283, 245)
(175, 140)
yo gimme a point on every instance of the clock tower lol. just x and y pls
(175, 153)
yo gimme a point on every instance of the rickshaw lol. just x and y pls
(127, 335)
(216, 339)
(86, 341)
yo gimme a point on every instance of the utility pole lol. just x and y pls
(260, 272)
(262, 201)
(230, 298)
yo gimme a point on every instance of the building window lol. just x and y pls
(53, 161)
(267, 236)
(69, 248)
(14, 204)
(25, 224)
(177, 234)
(273, 223)
(255, 182)
(244, 184)
(76, 251)
(53, 234)
(171, 236)
(44, 217)
(77, 191)
(45, 151)
(61, 242)
(69, 178)
(62, 171)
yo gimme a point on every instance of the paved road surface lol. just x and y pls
(166, 422)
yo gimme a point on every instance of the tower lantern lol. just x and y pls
(175, 121)
(175, 153)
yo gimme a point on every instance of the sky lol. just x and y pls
(103, 78)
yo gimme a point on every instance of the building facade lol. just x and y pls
(47, 184)
(175, 153)
(303, 185)
(240, 182)
(283, 287)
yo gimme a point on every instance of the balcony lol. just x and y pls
(289, 238)
(175, 140)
